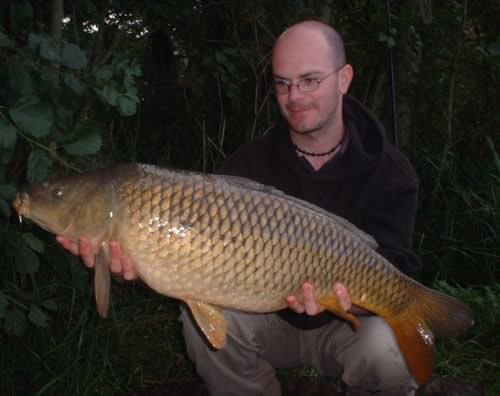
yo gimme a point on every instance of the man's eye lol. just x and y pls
(281, 83)
(309, 82)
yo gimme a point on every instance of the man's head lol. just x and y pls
(310, 51)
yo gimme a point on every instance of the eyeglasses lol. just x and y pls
(308, 84)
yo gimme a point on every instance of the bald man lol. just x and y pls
(329, 150)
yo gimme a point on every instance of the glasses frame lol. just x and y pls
(300, 84)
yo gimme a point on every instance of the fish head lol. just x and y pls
(73, 205)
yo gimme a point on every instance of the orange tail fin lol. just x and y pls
(431, 313)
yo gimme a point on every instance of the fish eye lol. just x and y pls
(57, 192)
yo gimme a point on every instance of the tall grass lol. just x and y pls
(458, 223)
(476, 355)
(140, 345)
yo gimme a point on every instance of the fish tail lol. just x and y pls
(431, 314)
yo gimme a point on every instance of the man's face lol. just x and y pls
(301, 54)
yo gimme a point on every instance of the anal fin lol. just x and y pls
(331, 303)
(211, 321)
(102, 280)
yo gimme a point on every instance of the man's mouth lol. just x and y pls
(298, 109)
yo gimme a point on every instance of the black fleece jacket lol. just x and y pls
(369, 182)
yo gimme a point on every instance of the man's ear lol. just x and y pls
(345, 77)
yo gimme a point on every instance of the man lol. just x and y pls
(331, 152)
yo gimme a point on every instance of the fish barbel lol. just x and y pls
(218, 242)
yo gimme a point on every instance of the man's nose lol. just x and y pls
(294, 92)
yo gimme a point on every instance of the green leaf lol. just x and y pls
(4, 208)
(19, 79)
(35, 40)
(5, 158)
(134, 69)
(73, 56)
(3, 305)
(120, 62)
(8, 135)
(32, 116)
(88, 141)
(50, 305)
(38, 317)
(75, 84)
(108, 94)
(26, 260)
(39, 166)
(7, 194)
(7, 191)
(5, 41)
(33, 242)
(130, 87)
(127, 105)
(103, 72)
(50, 50)
(15, 323)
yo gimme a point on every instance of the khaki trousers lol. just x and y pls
(368, 360)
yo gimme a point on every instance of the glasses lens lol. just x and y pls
(308, 84)
(280, 87)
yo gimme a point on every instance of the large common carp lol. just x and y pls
(226, 242)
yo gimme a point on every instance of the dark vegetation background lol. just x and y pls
(88, 83)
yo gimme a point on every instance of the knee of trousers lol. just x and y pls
(236, 368)
(241, 338)
(375, 360)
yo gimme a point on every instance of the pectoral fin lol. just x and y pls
(331, 303)
(211, 321)
(102, 280)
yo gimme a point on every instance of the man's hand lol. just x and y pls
(120, 264)
(311, 307)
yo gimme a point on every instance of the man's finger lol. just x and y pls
(294, 305)
(87, 252)
(68, 245)
(85, 246)
(116, 258)
(311, 306)
(343, 296)
(128, 269)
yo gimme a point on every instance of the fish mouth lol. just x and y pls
(21, 204)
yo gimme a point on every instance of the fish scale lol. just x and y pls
(224, 242)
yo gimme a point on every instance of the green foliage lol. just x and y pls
(115, 84)
(51, 121)
(32, 116)
(7, 134)
(86, 141)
